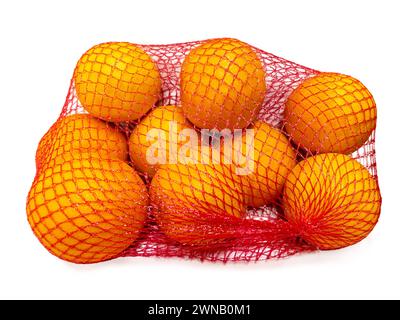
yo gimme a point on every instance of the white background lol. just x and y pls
(40, 44)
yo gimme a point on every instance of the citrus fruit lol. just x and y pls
(82, 133)
(187, 197)
(117, 81)
(330, 112)
(333, 199)
(222, 85)
(265, 161)
(155, 140)
(85, 209)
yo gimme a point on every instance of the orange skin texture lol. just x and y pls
(159, 119)
(332, 200)
(186, 198)
(117, 81)
(330, 112)
(222, 85)
(273, 159)
(87, 210)
(82, 133)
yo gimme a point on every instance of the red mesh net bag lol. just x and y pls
(213, 150)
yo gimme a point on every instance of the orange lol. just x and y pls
(187, 197)
(87, 210)
(155, 136)
(332, 199)
(265, 162)
(82, 133)
(330, 112)
(117, 81)
(222, 85)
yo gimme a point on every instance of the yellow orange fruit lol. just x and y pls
(117, 81)
(86, 210)
(222, 84)
(155, 140)
(332, 199)
(186, 197)
(330, 112)
(265, 162)
(82, 133)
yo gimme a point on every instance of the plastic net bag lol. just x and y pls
(213, 150)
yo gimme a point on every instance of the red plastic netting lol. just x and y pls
(304, 178)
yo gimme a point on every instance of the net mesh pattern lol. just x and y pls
(313, 183)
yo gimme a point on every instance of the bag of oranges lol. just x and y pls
(213, 150)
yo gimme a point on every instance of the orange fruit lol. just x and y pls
(117, 81)
(82, 133)
(222, 85)
(187, 197)
(86, 210)
(155, 140)
(330, 112)
(265, 162)
(333, 200)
